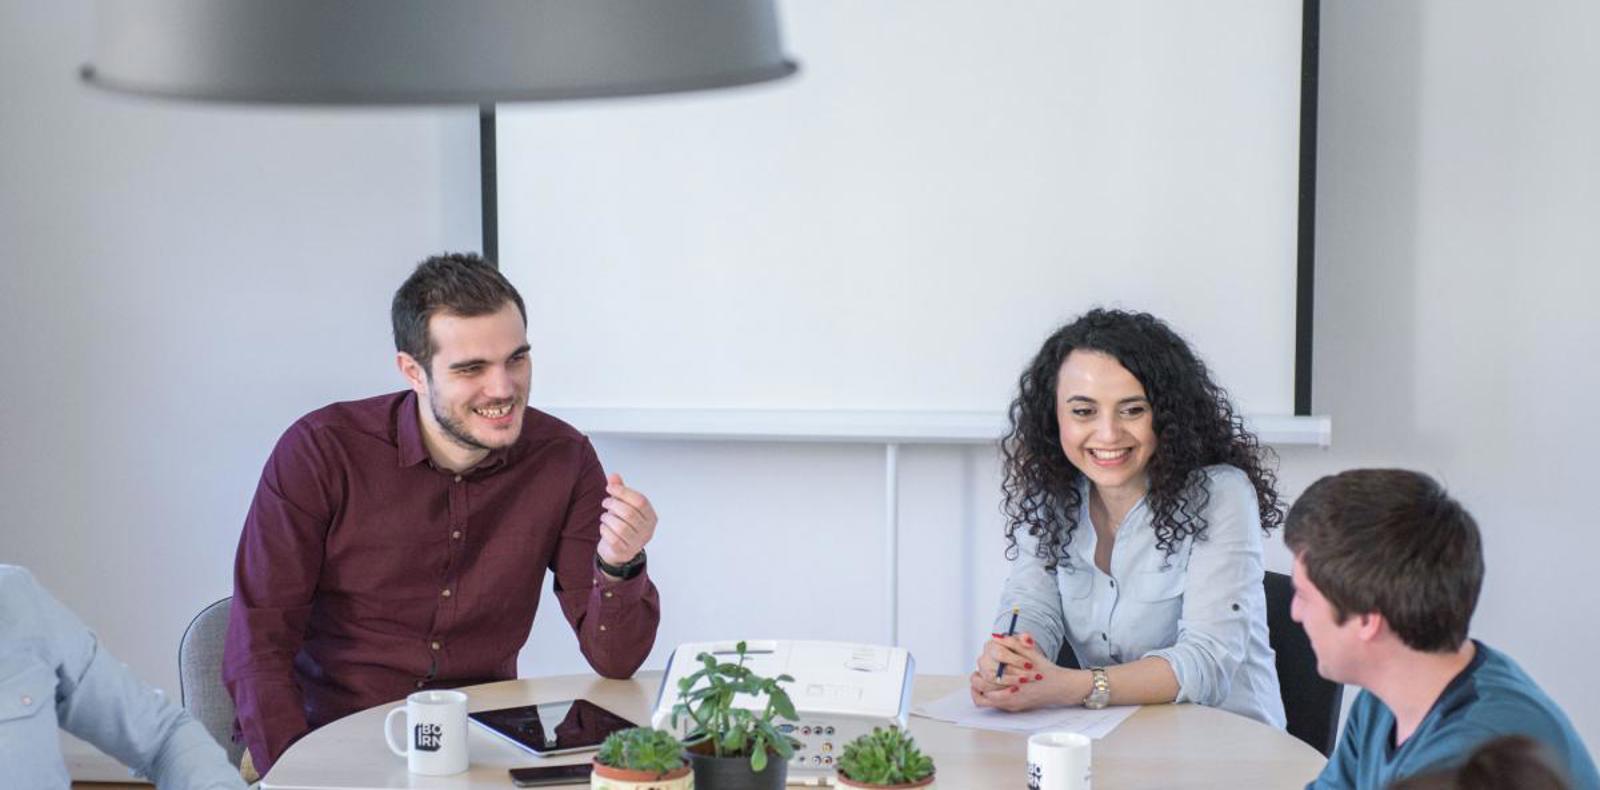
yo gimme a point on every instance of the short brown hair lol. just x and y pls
(462, 284)
(1391, 541)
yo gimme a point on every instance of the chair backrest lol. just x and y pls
(1310, 701)
(200, 675)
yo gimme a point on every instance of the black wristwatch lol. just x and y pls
(626, 570)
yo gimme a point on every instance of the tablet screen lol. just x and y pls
(553, 727)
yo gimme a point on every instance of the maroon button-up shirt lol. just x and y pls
(365, 573)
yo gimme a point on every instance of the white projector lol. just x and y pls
(840, 690)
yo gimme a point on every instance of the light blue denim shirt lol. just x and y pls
(54, 674)
(1203, 609)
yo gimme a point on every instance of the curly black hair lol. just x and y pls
(1195, 427)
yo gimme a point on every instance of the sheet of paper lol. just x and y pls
(957, 708)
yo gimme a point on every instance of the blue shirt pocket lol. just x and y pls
(28, 738)
(1156, 586)
(26, 687)
(1075, 584)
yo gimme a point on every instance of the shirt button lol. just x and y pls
(602, 628)
(456, 535)
(445, 593)
(1113, 583)
(26, 700)
(419, 684)
(458, 478)
(434, 645)
(1103, 636)
(608, 593)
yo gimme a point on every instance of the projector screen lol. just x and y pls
(899, 226)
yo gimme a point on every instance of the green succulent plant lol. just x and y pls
(642, 749)
(884, 757)
(735, 731)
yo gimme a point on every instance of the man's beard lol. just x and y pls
(456, 431)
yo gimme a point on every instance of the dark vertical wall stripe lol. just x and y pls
(1306, 271)
(486, 178)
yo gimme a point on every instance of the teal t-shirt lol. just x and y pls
(1490, 698)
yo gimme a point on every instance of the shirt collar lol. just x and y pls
(408, 432)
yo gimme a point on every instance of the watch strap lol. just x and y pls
(626, 570)
(1099, 689)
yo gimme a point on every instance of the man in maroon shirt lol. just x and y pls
(400, 542)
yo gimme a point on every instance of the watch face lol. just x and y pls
(1099, 690)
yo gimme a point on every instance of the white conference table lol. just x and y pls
(1165, 746)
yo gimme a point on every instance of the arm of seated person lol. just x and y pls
(1222, 592)
(276, 573)
(615, 620)
(100, 700)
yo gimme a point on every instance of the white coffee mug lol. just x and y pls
(435, 732)
(1058, 761)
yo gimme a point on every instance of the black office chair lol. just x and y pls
(1310, 701)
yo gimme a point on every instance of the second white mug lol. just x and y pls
(435, 732)
(1058, 761)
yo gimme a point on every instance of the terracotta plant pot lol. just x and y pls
(844, 781)
(733, 773)
(607, 778)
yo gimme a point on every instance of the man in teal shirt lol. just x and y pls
(1387, 571)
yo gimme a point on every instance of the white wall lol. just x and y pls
(1456, 324)
(1454, 334)
(178, 283)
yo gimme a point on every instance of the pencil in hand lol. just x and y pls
(1011, 630)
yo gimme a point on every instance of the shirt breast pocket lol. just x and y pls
(1075, 584)
(27, 687)
(1156, 586)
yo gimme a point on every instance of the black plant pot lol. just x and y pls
(733, 773)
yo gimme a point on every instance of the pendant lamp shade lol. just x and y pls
(431, 51)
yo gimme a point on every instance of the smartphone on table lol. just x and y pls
(550, 775)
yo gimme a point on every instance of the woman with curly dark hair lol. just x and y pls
(1136, 504)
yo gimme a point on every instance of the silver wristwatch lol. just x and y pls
(1099, 689)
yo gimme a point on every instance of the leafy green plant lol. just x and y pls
(642, 749)
(735, 731)
(884, 757)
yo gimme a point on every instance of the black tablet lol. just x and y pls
(553, 727)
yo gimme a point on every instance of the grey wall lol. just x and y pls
(1455, 333)
(177, 284)
(1456, 324)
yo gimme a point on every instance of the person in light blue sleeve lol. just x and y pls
(1387, 571)
(53, 673)
(1136, 506)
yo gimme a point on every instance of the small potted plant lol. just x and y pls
(885, 758)
(641, 759)
(735, 747)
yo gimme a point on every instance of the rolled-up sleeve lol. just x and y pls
(1221, 591)
(1033, 591)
